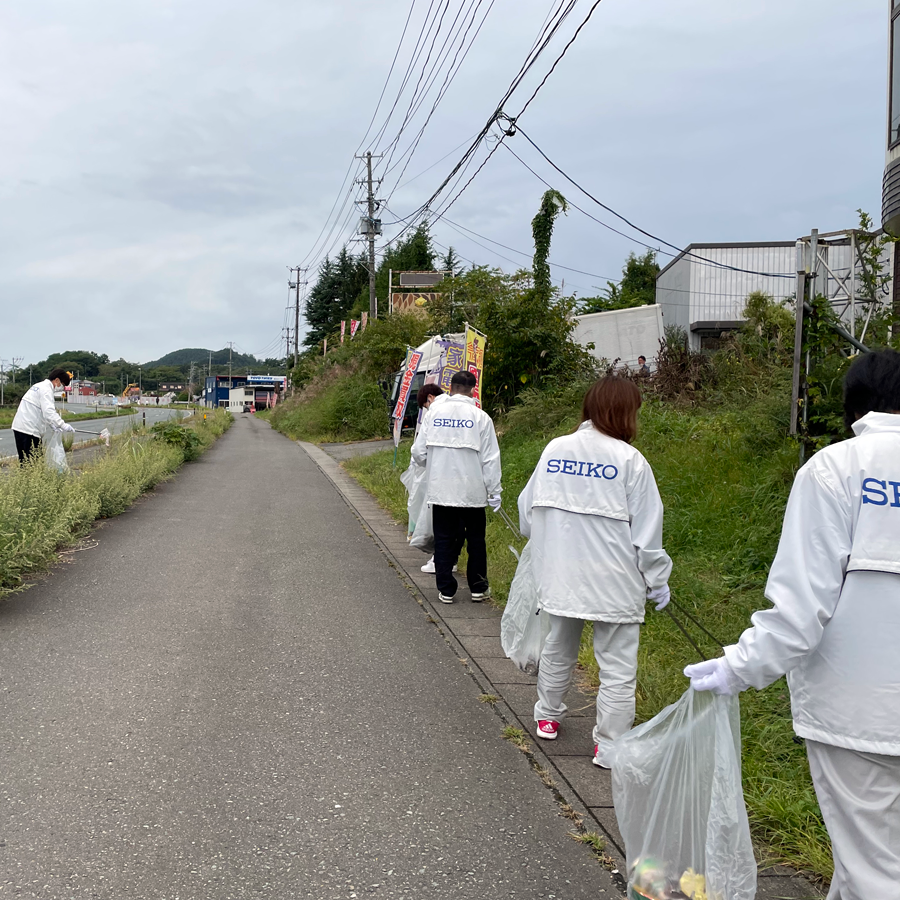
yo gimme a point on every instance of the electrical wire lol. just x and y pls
(609, 209)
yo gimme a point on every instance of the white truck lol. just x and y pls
(622, 334)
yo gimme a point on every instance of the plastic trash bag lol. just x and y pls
(416, 485)
(55, 452)
(524, 628)
(680, 806)
(423, 535)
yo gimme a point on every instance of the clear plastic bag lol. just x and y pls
(55, 452)
(680, 806)
(416, 485)
(423, 535)
(524, 628)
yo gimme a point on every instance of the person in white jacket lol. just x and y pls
(458, 446)
(37, 412)
(594, 516)
(834, 629)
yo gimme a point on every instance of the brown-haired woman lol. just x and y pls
(594, 516)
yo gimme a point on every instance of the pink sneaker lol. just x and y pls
(547, 729)
(596, 759)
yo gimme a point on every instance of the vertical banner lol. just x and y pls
(343, 329)
(410, 367)
(354, 324)
(325, 347)
(365, 321)
(475, 344)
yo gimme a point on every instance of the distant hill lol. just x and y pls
(200, 357)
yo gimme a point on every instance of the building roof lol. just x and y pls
(736, 245)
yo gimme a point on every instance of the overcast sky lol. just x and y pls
(163, 161)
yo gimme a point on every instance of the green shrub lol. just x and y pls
(177, 435)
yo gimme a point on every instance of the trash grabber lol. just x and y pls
(104, 435)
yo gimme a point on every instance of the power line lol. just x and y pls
(654, 237)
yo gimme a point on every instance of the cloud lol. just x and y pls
(162, 162)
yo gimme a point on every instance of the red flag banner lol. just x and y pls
(354, 324)
(413, 358)
(343, 329)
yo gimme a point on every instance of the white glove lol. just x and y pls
(68, 428)
(660, 596)
(494, 503)
(715, 675)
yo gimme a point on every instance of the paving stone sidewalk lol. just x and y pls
(473, 632)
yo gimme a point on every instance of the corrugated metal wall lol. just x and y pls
(719, 294)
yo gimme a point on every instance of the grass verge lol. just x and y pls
(42, 511)
(724, 474)
(7, 415)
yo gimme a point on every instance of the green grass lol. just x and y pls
(346, 408)
(724, 474)
(7, 415)
(42, 511)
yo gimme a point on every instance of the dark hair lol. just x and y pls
(872, 385)
(612, 404)
(644, 358)
(426, 391)
(462, 383)
(61, 374)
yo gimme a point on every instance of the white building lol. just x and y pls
(704, 290)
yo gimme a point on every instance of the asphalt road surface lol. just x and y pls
(265, 714)
(115, 424)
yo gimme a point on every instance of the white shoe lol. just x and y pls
(444, 599)
(428, 568)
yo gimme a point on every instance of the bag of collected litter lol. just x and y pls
(55, 452)
(677, 791)
(413, 480)
(524, 628)
(423, 535)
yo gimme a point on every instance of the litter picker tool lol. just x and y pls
(103, 435)
(512, 527)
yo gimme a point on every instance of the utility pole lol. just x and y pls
(15, 365)
(230, 351)
(190, 381)
(296, 285)
(371, 227)
(2, 380)
(209, 367)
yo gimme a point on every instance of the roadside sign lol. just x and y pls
(411, 366)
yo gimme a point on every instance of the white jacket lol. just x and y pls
(594, 516)
(835, 586)
(37, 411)
(458, 446)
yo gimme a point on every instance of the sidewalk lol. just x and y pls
(473, 631)
(229, 694)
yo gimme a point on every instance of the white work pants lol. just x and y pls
(859, 795)
(615, 649)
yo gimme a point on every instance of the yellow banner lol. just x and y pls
(475, 345)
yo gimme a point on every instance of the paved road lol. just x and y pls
(270, 714)
(115, 424)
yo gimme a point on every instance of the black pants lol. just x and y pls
(453, 527)
(26, 444)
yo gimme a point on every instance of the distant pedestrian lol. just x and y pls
(458, 446)
(834, 629)
(594, 516)
(37, 412)
(643, 368)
